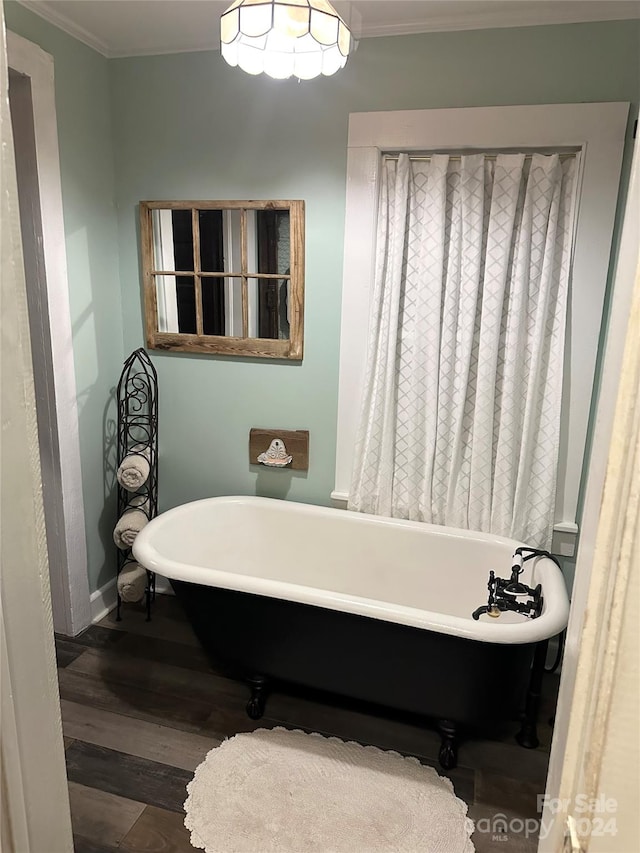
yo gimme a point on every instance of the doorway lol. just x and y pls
(33, 118)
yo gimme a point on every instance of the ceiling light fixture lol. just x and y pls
(285, 38)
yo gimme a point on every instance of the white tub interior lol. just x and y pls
(406, 572)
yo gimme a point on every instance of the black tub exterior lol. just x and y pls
(456, 681)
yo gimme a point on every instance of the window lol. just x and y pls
(597, 131)
(224, 277)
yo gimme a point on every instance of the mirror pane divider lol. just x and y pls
(274, 276)
(195, 227)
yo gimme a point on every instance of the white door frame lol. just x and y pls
(34, 812)
(67, 549)
(609, 545)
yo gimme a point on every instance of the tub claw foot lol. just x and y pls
(448, 755)
(255, 708)
(528, 736)
(256, 704)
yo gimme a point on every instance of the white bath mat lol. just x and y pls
(278, 791)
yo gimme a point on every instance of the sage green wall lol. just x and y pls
(87, 171)
(187, 127)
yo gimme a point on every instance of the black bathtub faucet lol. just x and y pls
(510, 593)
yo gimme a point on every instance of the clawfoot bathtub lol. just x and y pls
(372, 608)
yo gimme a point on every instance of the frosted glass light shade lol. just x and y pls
(285, 38)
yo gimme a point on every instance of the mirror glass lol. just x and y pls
(219, 272)
(220, 241)
(221, 305)
(269, 308)
(176, 300)
(268, 244)
(224, 276)
(172, 240)
(212, 240)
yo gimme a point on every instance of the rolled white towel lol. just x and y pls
(130, 523)
(134, 469)
(132, 582)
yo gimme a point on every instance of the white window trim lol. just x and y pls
(598, 130)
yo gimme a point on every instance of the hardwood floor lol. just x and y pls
(142, 706)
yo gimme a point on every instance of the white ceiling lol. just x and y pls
(142, 27)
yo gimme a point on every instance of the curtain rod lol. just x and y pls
(564, 155)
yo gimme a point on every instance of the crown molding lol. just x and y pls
(162, 51)
(47, 11)
(488, 19)
(491, 19)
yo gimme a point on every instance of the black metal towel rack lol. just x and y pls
(137, 400)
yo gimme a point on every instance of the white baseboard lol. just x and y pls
(105, 599)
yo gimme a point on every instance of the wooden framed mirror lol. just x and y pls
(224, 277)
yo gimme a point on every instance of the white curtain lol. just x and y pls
(460, 423)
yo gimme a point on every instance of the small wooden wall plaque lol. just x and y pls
(296, 442)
